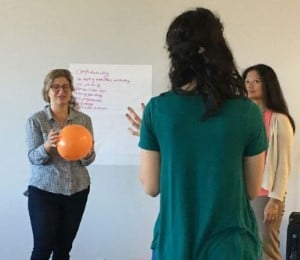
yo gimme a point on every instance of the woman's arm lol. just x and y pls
(150, 172)
(279, 156)
(278, 164)
(37, 149)
(253, 172)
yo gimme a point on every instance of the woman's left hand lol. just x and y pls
(271, 211)
(135, 120)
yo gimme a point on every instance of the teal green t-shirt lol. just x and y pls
(204, 207)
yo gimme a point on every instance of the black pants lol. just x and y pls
(55, 220)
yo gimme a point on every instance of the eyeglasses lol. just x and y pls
(56, 88)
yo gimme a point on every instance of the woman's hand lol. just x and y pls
(135, 120)
(271, 211)
(51, 140)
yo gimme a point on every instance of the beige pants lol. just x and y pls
(269, 233)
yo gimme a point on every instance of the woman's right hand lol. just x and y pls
(271, 211)
(51, 140)
(135, 120)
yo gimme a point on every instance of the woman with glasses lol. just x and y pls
(58, 189)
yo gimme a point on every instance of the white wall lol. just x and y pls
(37, 36)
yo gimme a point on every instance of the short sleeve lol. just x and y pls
(257, 140)
(148, 140)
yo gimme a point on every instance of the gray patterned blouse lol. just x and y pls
(50, 172)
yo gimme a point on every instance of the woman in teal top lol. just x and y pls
(202, 149)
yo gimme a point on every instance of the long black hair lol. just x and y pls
(273, 96)
(199, 54)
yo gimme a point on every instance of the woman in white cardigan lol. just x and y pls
(264, 89)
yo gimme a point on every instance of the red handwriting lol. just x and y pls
(91, 87)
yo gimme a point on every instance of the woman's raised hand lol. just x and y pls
(134, 120)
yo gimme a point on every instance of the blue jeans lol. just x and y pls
(55, 220)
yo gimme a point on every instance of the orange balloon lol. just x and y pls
(74, 143)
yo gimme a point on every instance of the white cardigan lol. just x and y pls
(278, 161)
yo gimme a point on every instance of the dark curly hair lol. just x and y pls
(199, 54)
(273, 96)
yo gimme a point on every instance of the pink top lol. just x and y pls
(267, 115)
